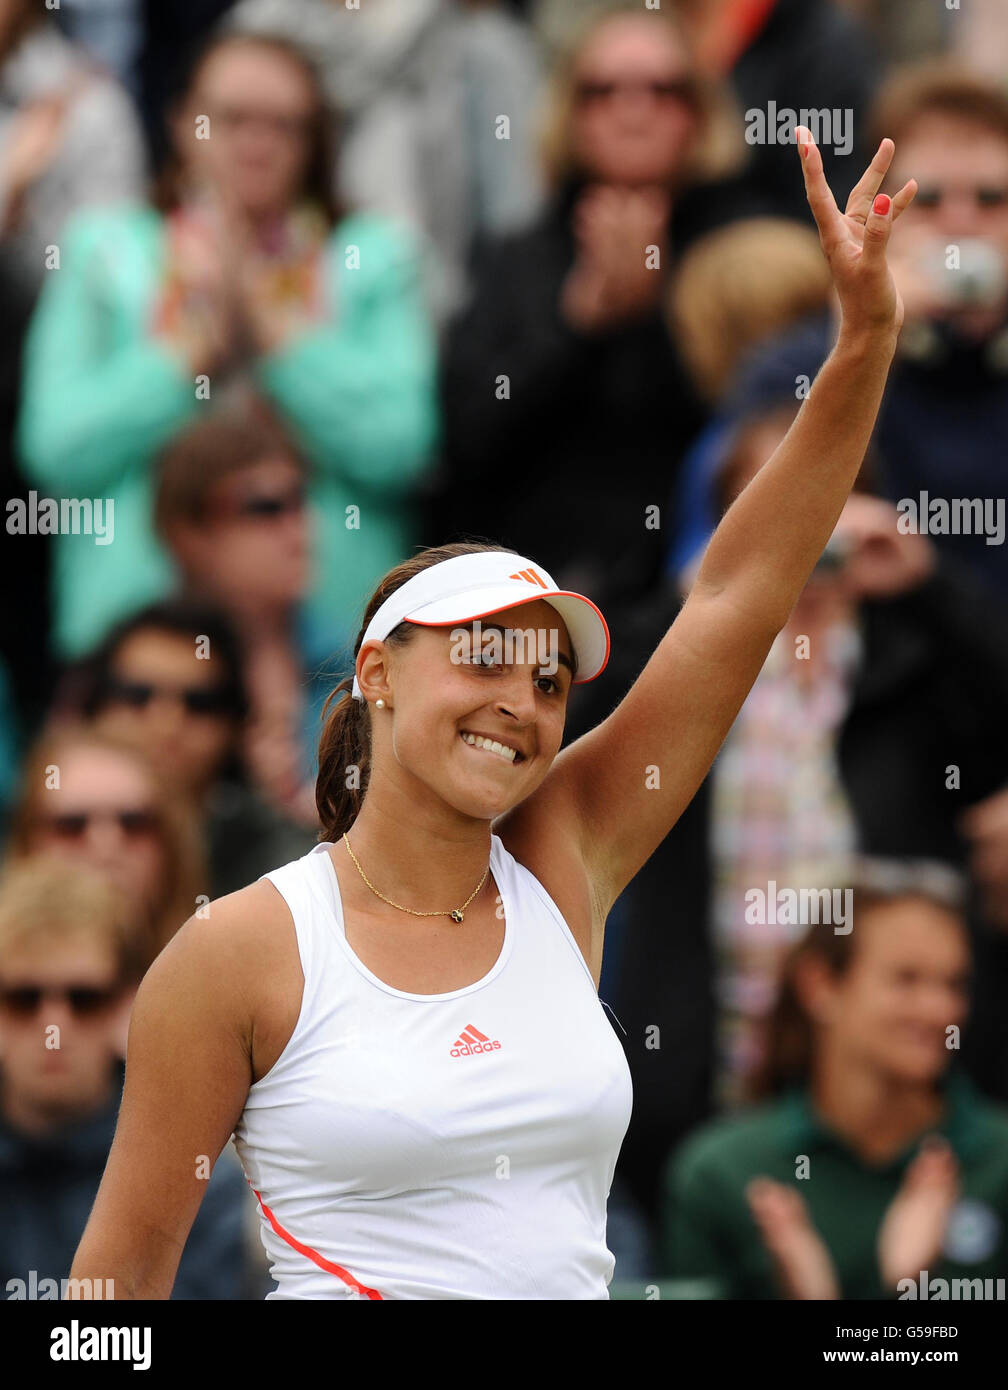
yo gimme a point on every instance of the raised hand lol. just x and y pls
(854, 241)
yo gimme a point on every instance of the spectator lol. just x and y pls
(945, 412)
(65, 943)
(68, 138)
(88, 797)
(423, 85)
(169, 681)
(738, 286)
(244, 278)
(799, 54)
(945, 407)
(873, 1161)
(230, 507)
(892, 657)
(562, 365)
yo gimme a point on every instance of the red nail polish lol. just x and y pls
(881, 204)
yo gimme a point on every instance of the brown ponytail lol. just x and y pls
(344, 756)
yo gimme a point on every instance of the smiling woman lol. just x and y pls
(334, 1016)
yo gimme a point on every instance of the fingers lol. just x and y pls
(877, 228)
(863, 192)
(821, 200)
(902, 200)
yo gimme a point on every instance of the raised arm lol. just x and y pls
(630, 779)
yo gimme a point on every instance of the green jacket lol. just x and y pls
(101, 396)
(711, 1236)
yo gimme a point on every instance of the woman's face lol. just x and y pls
(906, 986)
(253, 550)
(634, 122)
(168, 701)
(259, 110)
(104, 811)
(444, 687)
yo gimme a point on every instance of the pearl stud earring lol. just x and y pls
(379, 704)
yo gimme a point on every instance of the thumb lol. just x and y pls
(878, 225)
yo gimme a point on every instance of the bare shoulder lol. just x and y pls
(239, 957)
(542, 835)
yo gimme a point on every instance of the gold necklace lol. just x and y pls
(457, 914)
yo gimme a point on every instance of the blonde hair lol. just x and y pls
(720, 148)
(46, 899)
(184, 875)
(739, 285)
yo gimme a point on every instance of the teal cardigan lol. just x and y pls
(101, 396)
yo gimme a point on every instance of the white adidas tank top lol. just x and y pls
(456, 1145)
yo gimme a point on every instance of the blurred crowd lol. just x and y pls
(292, 287)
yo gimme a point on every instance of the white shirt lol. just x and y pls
(457, 1145)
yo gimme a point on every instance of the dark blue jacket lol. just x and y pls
(47, 1188)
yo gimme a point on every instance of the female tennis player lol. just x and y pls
(402, 1029)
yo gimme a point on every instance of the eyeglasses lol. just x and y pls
(22, 1001)
(135, 822)
(597, 93)
(207, 700)
(984, 195)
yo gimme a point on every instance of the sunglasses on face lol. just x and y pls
(600, 92)
(134, 823)
(261, 506)
(271, 506)
(197, 699)
(984, 196)
(22, 1001)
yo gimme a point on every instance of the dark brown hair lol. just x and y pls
(322, 157)
(346, 738)
(937, 86)
(201, 455)
(788, 1031)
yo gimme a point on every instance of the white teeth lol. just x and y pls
(490, 745)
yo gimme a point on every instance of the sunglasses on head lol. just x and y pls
(596, 92)
(134, 822)
(22, 1001)
(197, 699)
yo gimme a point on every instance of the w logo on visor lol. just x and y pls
(531, 577)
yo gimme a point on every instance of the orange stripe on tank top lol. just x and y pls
(313, 1255)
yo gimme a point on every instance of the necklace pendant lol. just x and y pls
(456, 916)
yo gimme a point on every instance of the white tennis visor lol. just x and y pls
(491, 581)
